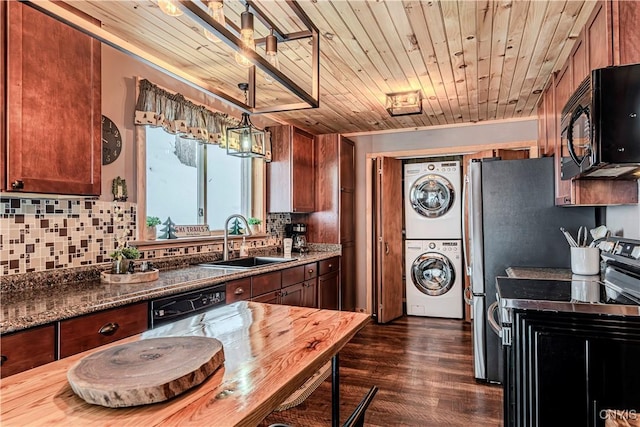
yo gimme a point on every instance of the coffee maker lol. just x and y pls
(297, 232)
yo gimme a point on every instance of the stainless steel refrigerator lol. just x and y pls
(513, 222)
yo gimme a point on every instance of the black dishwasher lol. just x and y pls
(174, 307)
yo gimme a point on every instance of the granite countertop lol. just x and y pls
(30, 307)
(539, 273)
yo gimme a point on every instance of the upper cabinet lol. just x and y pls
(608, 38)
(53, 119)
(291, 177)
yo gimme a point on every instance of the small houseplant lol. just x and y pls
(254, 223)
(122, 257)
(151, 231)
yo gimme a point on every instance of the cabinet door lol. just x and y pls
(303, 175)
(579, 64)
(550, 123)
(328, 290)
(626, 39)
(267, 282)
(292, 295)
(598, 37)
(293, 275)
(26, 349)
(54, 113)
(329, 265)
(347, 276)
(238, 290)
(310, 270)
(310, 293)
(562, 94)
(93, 330)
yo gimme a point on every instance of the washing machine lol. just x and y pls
(433, 200)
(434, 278)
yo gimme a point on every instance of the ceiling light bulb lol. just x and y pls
(169, 7)
(271, 49)
(215, 9)
(245, 140)
(241, 59)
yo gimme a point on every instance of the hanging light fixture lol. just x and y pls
(246, 38)
(404, 103)
(169, 7)
(215, 9)
(245, 140)
(271, 49)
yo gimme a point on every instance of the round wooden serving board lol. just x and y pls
(140, 277)
(145, 371)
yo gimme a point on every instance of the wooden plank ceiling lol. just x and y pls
(473, 60)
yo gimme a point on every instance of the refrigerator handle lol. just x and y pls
(491, 317)
(466, 202)
(468, 296)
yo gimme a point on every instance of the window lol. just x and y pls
(194, 183)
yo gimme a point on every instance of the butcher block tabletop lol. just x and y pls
(270, 350)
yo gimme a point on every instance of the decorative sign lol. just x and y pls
(191, 230)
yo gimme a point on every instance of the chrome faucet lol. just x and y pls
(225, 247)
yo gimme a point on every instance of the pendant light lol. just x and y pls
(215, 9)
(246, 37)
(271, 49)
(169, 7)
(245, 140)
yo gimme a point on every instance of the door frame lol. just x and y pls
(534, 152)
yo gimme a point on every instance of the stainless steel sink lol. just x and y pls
(245, 263)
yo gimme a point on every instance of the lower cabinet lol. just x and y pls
(238, 290)
(96, 329)
(272, 297)
(571, 370)
(309, 293)
(27, 349)
(329, 283)
(292, 295)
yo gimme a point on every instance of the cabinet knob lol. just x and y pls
(109, 329)
(17, 184)
(330, 265)
(239, 291)
(3, 359)
(311, 271)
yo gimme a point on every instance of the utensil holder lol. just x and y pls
(585, 261)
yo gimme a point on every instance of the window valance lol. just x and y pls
(177, 115)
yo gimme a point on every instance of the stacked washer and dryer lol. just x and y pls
(433, 245)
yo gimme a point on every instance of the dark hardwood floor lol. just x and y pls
(424, 369)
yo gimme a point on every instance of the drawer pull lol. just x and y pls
(238, 291)
(311, 271)
(109, 329)
(3, 359)
(330, 265)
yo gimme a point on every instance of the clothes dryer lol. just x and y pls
(434, 278)
(433, 200)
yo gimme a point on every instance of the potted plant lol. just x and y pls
(151, 232)
(122, 258)
(254, 224)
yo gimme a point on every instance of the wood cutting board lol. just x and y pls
(145, 371)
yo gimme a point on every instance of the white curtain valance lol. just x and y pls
(177, 115)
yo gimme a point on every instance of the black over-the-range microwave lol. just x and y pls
(600, 126)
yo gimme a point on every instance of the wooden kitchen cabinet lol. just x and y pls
(272, 297)
(290, 174)
(334, 218)
(626, 36)
(27, 349)
(96, 329)
(329, 290)
(310, 293)
(264, 283)
(53, 96)
(292, 294)
(238, 290)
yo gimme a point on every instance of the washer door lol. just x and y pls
(432, 195)
(433, 274)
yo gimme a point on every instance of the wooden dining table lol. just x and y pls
(270, 351)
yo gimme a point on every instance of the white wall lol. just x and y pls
(119, 72)
(624, 221)
(464, 135)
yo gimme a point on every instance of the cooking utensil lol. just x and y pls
(569, 238)
(599, 232)
(582, 236)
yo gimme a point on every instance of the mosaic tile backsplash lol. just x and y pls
(48, 234)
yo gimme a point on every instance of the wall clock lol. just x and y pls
(111, 141)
